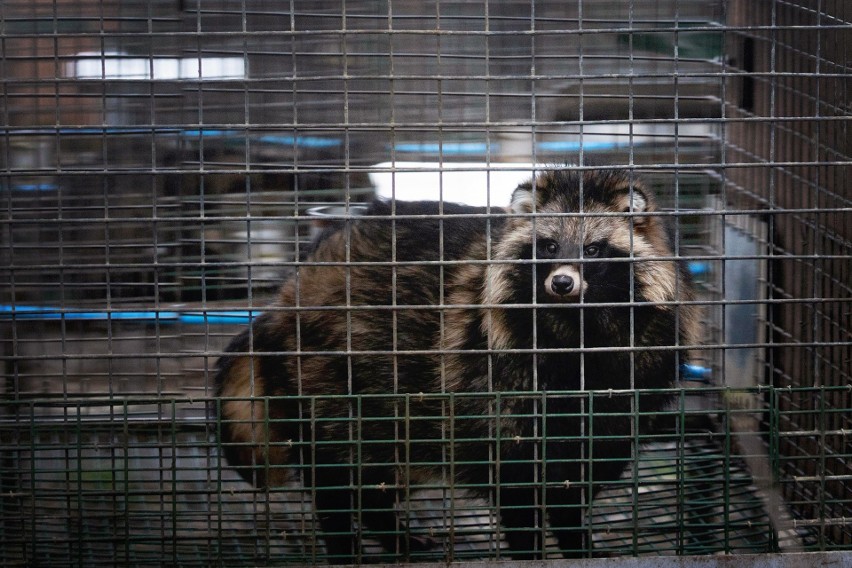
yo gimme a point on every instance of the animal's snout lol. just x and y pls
(562, 284)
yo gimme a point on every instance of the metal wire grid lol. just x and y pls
(148, 496)
(804, 80)
(139, 206)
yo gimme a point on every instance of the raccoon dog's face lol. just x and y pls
(582, 234)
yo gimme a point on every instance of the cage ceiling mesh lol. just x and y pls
(166, 164)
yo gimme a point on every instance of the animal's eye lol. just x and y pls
(592, 251)
(548, 246)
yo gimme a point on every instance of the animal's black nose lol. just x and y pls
(562, 284)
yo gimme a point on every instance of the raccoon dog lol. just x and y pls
(498, 353)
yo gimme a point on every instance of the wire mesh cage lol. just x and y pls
(339, 186)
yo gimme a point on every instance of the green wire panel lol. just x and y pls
(79, 490)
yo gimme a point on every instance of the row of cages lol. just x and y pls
(218, 350)
(176, 234)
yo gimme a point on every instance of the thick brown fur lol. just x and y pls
(451, 326)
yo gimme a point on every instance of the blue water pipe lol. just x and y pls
(45, 313)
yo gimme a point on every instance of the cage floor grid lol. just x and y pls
(144, 497)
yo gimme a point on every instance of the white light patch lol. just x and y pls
(115, 66)
(469, 183)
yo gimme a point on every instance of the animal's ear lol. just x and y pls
(636, 200)
(522, 199)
